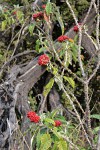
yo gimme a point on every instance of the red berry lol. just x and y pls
(62, 38)
(75, 28)
(43, 6)
(43, 60)
(30, 113)
(33, 117)
(14, 13)
(37, 15)
(57, 123)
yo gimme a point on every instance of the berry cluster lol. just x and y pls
(57, 123)
(37, 15)
(62, 38)
(43, 60)
(14, 13)
(76, 28)
(43, 6)
(33, 117)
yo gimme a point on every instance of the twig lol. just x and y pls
(18, 55)
(68, 140)
(43, 101)
(98, 24)
(84, 21)
(78, 116)
(87, 117)
(57, 56)
(91, 40)
(95, 70)
(98, 146)
(80, 39)
(20, 32)
(77, 102)
(24, 140)
(79, 53)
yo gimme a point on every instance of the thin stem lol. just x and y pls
(57, 56)
(80, 39)
(98, 25)
(77, 114)
(79, 54)
(84, 21)
(95, 70)
(87, 101)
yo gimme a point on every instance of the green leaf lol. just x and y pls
(49, 120)
(95, 130)
(95, 116)
(45, 142)
(48, 8)
(59, 81)
(55, 70)
(9, 20)
(69, 56)
(55, 146)
(38, 141)
(62, 145)
(70, 81)
(20, 15)
(74, 52)
(48, 87)
(54, 112)
(56, 133)
(62, 53)
(37, 47)
(42, 49)
(31, 28)
(4, 25)
(1, 56)
(61, 118)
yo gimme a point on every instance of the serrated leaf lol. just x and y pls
(45, 142)
(95, 130)
(48, 8)
(20, 15)
(48, 87)
(62, 53)
(49, 120)
(12, 21)
(56, 133)
(62, 145)
(95, 116)
(42, 49)
(74, 52)
(3, 25)
(38, 142)
(55, 70)
(37, 44)
(9, 20)
(31, 28)
(55, 146)
(70, 81)
(69, 56)
(54, 112)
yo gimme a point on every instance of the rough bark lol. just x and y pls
(14, 94)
